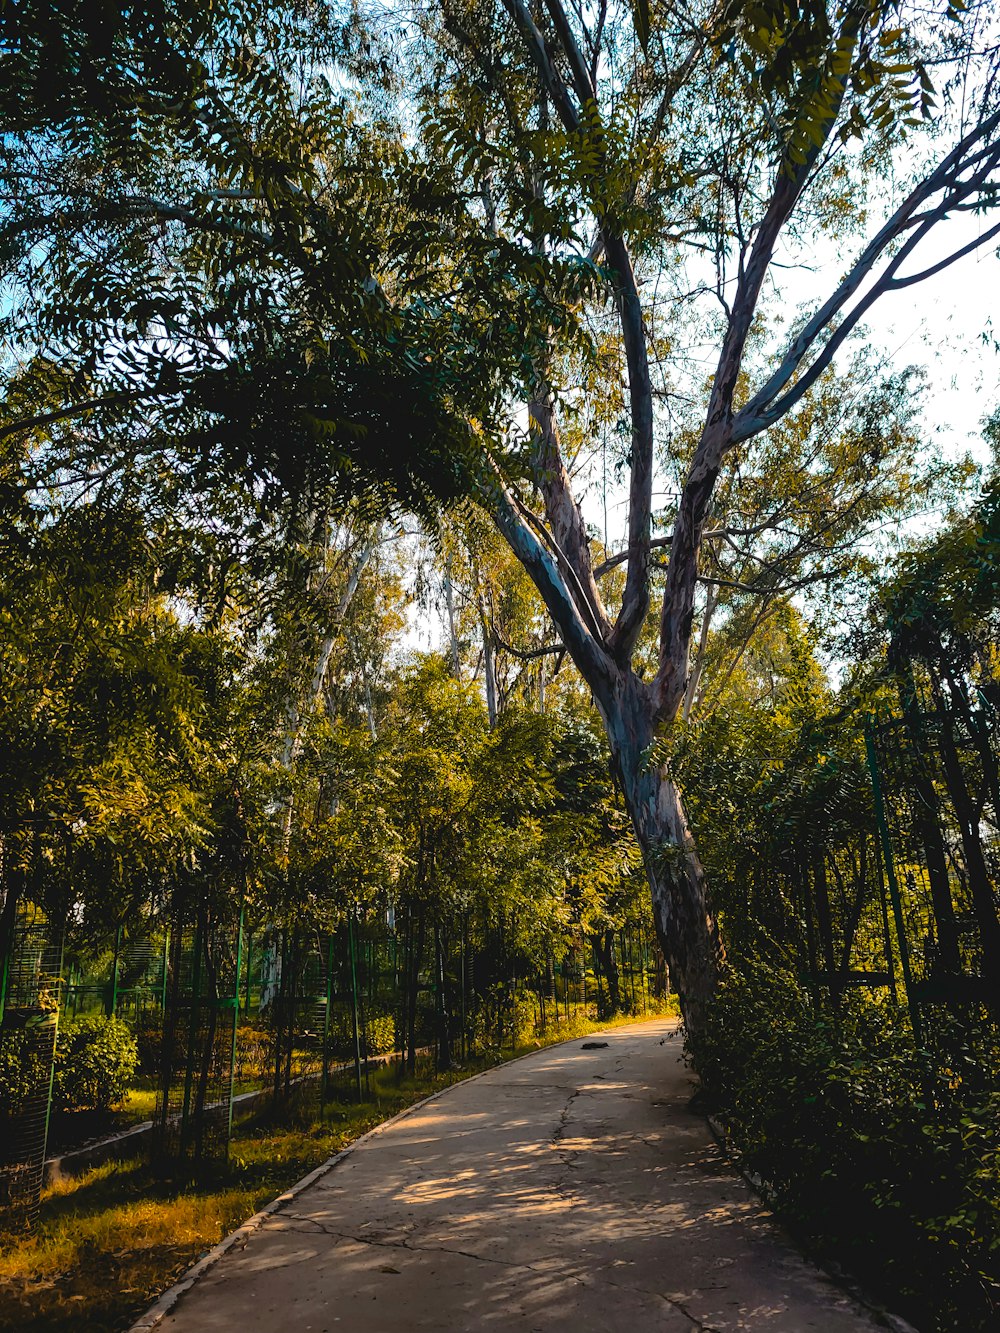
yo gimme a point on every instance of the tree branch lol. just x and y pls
(587, 652)
(764, 408)
(538, 51)
(654, 544)
(562, 510)
(635, 602)
(71, 410)
(526, 654)
(677, 613)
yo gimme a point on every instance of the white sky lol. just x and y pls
(938, 324)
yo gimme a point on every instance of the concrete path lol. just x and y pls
(569, 1192)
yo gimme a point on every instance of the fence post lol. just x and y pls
(354, 1007)
(166, 973)
(194, 1016)
(324, 1085)
(236, 1022)
(890, 872)
(8, 949)
(52, 1062)
(111, 1003)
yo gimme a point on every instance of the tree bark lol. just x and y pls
(685, 924)
(604, 948)
(489, 664)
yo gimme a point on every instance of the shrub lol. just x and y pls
(381, 1032)
(96, 1059)
(24, 1071)
(149, 1043)
(886, 1158)
(254, 1054)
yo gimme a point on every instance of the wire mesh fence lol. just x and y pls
(194, 1096)
(30, 999)
(237, 1015)
(935, 772)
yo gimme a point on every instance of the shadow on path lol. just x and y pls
(568, 1192)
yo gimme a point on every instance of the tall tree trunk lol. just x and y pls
(449, 598)
(489, 666)
(604, 947)
(685, 924)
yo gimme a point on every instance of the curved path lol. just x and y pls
(567, 1192)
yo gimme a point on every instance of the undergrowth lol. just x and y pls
(881, 1157)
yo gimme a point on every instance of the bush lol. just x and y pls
(24, 1070)
(96, 1060)
(886, 1159)
(380, 1030)
(255, 1054)
(381, 1033)
(149, 1043)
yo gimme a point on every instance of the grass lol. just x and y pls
(110, 1240)
(70, 1130)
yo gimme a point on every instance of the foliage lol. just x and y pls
(940, 607)
(23, 1071)
(235, 241)
(380, 1033)
(96, 1060)
(102, 711)
(776, 781)
(882, 1153)
(888, 1162)
(253, 1054)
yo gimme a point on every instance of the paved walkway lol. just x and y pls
(568, 1192)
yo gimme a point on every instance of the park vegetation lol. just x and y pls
(322, 323)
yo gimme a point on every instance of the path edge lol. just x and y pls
(167, 1300)
(834, 1274)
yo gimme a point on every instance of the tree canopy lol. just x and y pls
(287, 261)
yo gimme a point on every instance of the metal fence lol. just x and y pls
(937, 801)
(226, 1007)
(30, 1001)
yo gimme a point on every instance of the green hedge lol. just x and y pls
(23, 1072)
(888, 1160)
(96, 1060)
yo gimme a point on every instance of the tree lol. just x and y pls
(108, 765)
(343, 287)
(192, 220)
(735, 131)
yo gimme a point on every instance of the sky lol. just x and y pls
(939, 325)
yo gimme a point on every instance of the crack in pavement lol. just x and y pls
(381, 1242)
(411, 1248)
(679, 1305)
(567, 1156)
(669, 1300)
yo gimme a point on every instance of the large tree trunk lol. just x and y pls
(682, 914)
